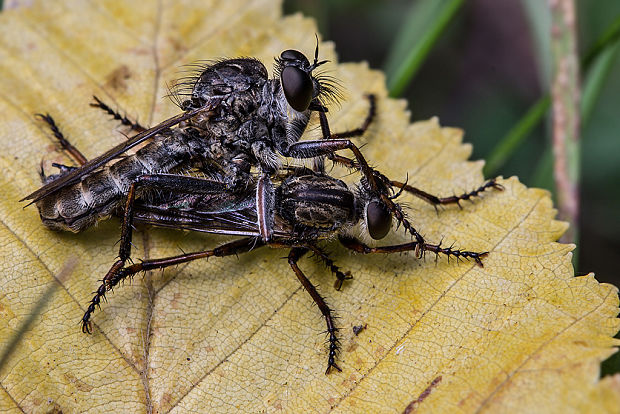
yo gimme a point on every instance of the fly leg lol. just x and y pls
(436, 201)
(295, 254)
(167, 182)
(66, 146)
(359, 247)
(134, 126)
(64, 143)
(310, 149)
(340, 276)
(319, 164)
(357, 132)
(69, 148)
(119, 273)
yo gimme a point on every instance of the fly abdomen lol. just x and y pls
(80, 205)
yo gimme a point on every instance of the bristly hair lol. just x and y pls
(331, 90)
(181, 89)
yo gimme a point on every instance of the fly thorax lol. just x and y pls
(315, 201)
(286, 125)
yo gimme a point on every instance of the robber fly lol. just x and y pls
(235, 122)
(309, 207)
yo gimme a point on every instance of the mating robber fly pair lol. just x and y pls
(234, 127)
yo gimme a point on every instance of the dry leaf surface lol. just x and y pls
(521, 334)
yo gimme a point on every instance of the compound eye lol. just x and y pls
(297, 87)
(291, 54)
(378, 220)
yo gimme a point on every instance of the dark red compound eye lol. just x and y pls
(378, 220)
(297, 87)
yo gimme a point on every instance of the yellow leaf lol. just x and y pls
(521, 334)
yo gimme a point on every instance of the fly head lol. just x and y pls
(378, 219)
(300, 85)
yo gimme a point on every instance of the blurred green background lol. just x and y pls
(484, 66)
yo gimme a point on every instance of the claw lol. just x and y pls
(332, 365)
(87, 326)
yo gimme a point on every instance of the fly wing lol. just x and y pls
(92, 165)
(232, 214)
(236, 223)
(221, 213)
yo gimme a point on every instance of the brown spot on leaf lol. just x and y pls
(413, 405)
(79, 384)
(55, 409)
(117, 79)
(177, 44)
(176, 303)
(380, 351)
(352, 347)
(350, 381)
(166, 399)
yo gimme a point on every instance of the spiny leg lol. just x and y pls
(111, 278)
(76, 154)
(421, 245)
(295, 254)
(168, 182)
(359, 247)
(118, 273)
(73, 152)
(455, 199)
(340, 276)
(135, 126)
(64, 143)
(429, 198)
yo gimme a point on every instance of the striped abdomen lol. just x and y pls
(80, 205)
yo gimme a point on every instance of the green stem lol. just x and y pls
(414, 59)
(611, 35)
(515, 137)
(600, 66)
